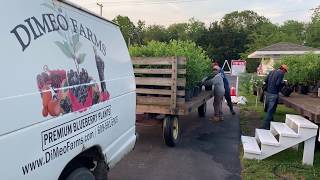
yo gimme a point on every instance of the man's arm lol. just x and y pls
(279, 82)
(267, 78)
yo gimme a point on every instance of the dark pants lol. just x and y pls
(228, 99)
(271, 107)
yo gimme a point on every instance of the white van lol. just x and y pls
(67, 97)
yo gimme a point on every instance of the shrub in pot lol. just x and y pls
(196, 91)
(198, 63)
(256, 83)
(304, 70)
(303, 89)
(189, 94)
(287, 90)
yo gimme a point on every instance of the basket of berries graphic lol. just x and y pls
(50, 83)
(64, 92)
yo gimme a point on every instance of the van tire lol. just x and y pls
(101, 171)
(171, 131)
(202, 110)
(81, 174)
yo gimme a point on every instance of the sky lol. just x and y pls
(166, 12)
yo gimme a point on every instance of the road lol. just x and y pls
(208, 151)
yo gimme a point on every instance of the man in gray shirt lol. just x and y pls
(218, 91)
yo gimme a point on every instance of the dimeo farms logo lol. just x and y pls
(65, 91)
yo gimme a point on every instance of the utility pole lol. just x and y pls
(101, 6)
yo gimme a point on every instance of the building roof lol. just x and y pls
(283, 48)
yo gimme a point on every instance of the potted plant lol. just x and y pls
(303, 71)
(198, 63)
(256, 83)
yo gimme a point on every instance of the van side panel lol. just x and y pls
(68, 85)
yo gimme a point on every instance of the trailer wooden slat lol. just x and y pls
(159, 81)
(157, 109)
(182, 61)
(174, 78)
(158, 91)
(151, 61)
(157, 60)
(153, 81)
(157, 71)
(162, 101)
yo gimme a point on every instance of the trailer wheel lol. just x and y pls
(81, 174)
(202, 110)
(171, 131)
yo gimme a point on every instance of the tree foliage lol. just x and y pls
(303, 69)
(198, 63)
(235, 36)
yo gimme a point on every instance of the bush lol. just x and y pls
(245, 83)
(252, 65)
(303, 69)
(198, 63)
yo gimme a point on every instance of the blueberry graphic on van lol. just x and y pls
(74, 90)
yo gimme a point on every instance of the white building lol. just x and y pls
(270, 54)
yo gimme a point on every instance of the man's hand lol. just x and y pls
(204, 79)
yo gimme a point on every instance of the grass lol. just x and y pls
(284, 165)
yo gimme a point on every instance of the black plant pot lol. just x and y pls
(313, 89)
(287, 90)
(196, 91)
(189, 94)
(208, 88)
(296, 88)
(303, 89)
(255, 91)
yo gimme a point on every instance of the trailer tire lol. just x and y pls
(171, 131)
(81, 174)
(202, 110)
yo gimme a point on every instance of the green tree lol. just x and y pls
(127, 28)
(313, 34)
(294, 30)
(196, 30)
(140, 32)
(222, 43)
(247, 21)
(178, 31)
(313, 30)
(156, 33)
(268, 33)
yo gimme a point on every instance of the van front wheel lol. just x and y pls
(171, 130)
(81, 174)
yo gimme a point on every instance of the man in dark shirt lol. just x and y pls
(274, 82)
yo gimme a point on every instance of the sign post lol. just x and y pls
(238, 67)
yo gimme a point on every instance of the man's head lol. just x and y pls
(215, 66)
(284, 68)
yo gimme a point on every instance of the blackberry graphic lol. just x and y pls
(65, 104)
(80, 90)
(100, 67)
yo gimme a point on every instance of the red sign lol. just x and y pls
(238, 67)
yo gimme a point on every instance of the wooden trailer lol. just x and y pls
(161, 86)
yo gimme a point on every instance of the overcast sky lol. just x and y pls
(166, 12)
